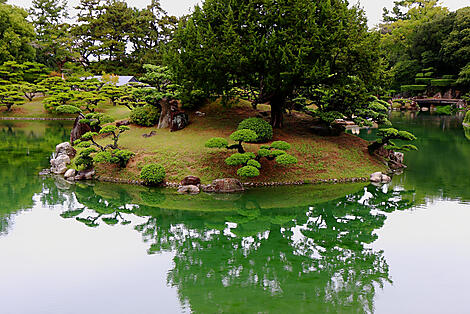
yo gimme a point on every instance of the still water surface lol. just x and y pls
(355, 248)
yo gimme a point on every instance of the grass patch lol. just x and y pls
(183, 153)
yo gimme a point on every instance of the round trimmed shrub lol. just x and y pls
(239, 159)
(153, 174)
(145, 115)
(263, 129)
(217, 142)
(248, 172)
(253, 163)
(281, 145)
(286, 159)
(244, 135)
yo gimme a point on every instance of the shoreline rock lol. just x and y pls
(379, 177)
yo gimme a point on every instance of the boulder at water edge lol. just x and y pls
(188, 189)
(78, 129)
(379, 177)
(190, 180)
(70, 174)
(59, 164)
(227, 185)
(65, 149)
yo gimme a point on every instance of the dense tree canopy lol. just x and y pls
(424, 41)
(16, 35)
(278, 48)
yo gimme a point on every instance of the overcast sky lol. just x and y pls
(180, 7)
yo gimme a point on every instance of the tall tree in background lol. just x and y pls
(54, 42)
(16, 35)
(86, 32)
(275, 47)
(151, 31)
(426, 37)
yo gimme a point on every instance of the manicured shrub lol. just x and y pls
(84, 160)
(423, 80)
(263, 129)
(248, 172)
(244, 135)
(253, 163)
(280, 145)
(413, 88)
(153, 174)
(442, 82)
(286, 159)
(116, 156)
(238, 159)
(428, 74)
(217, 142)
(147, 115)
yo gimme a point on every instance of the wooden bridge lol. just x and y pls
(427, 102)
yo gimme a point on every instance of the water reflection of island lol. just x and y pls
(24, 151)
(263, 251)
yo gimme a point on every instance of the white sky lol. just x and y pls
(179, 7)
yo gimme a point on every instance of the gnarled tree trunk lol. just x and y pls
(165, 114)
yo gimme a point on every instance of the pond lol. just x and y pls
(107, 248)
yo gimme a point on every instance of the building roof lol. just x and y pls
(122, 80)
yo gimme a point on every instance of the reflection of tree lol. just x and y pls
(24, 151)
(250, 259)
(440, 169)
(466, 129)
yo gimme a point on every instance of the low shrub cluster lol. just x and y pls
(263, 129)
(249, 161)
(153, 174)
(147, 115)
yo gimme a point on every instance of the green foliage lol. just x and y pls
(442, 82)
(16, 34)
(423, 80)
(244, 135)
(466, 120)
(276, 49)
(253, 163)
(248, 172)
(286, 159)
(262, 128)
(238, 159)
(10, 96)
(216, 142)
(116, 156)
(413, 88)
(280, 145)
(464, 77)
(147, 115)
(153, 174)
(67, 109)
(444, 110)
(388, 134)
(84, 160)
